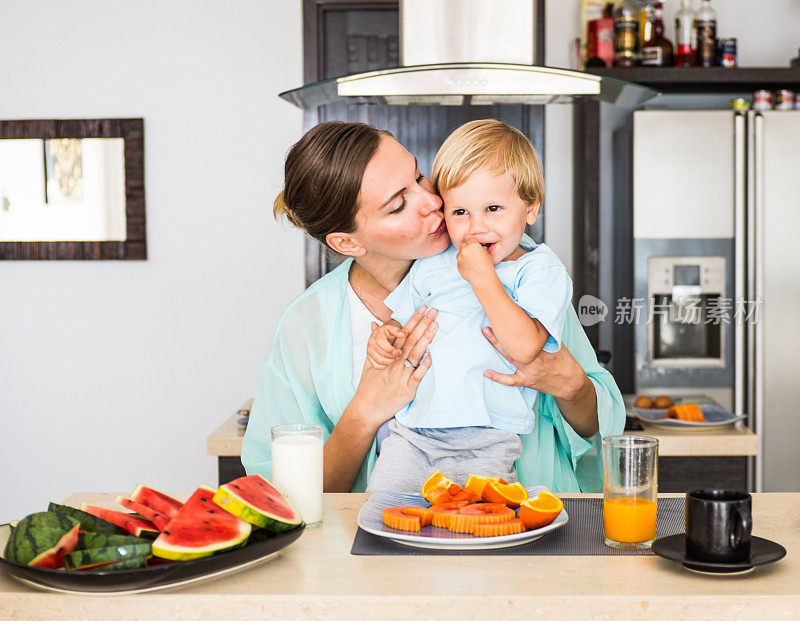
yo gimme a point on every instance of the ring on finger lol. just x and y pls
(409, 364)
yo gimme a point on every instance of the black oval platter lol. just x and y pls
(150, 578)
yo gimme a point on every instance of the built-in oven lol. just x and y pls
(683, 336)
(685, 329)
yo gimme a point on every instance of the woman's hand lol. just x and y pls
(557, 374)
(382, 392)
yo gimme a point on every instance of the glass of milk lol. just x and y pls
(297, 468)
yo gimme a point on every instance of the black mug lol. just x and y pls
(718, 525)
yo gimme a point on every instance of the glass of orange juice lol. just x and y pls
(630, 490)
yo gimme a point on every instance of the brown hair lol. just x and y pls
(496, 145)
(323, 176)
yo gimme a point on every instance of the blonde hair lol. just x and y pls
(495, 145)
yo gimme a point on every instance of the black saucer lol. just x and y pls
(762, 551)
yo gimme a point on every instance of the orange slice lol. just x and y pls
(511, 527)
(407, 518)
(511, 495)
(438, 489)
(442, 513)
(482, 513)
(540, 510)
(476, 483)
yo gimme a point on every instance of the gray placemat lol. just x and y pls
(581, 536)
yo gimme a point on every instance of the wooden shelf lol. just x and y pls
(702, 80)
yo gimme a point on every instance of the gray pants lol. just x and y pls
(409, 456)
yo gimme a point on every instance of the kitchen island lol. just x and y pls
(318, 577)
(722, 452)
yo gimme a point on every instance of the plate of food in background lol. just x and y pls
(686, 412)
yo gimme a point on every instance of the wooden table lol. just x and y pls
(317, 577)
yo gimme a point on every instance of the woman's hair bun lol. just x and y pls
(280, 208)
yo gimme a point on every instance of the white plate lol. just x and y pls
(370, 519)
(714, 415)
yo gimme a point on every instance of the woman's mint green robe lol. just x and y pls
(307, 377)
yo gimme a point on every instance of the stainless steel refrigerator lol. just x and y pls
(716, 202)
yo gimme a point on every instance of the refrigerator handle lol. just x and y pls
(740, 258)
(755, 349)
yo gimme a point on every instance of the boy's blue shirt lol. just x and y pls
(454, 392)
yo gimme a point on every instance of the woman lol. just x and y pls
(358, 191)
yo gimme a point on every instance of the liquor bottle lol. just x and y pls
(626, 33)
(685, 37)
(706, 24)
(645, 25)
(657, 50)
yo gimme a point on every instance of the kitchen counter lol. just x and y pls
(727, 448)
(226, 440)
(728, 441)
(317, 577)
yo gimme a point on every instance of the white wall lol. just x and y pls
(767, 32)
(115, 372)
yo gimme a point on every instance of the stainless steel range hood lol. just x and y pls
(468, 83)
(478, 52)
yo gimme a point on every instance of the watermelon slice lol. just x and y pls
(135, 525)
(157, 501)
(255, 500)
(158, 520)
(42, 540)
(88, 522)
(200, 529)
(94, 557)
(102, 540)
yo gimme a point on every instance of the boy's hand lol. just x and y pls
(474, 263)
(381, 351)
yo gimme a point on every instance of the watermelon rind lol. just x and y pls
(137, 562)
(88, 522)
(134, 524)
(157, 501)
(102, 540)
(94, 556)
(200, 529)
(229, 497)
(41, 539)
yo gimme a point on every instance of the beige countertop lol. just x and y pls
(734, 440)
(317, 577)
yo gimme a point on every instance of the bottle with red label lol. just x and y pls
(657, 51)
(600, 39)
(685, 37)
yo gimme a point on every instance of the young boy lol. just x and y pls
(460, 422)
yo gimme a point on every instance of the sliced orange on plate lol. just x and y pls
(511, 495)
(477, 483)
(438, 489)
(540, 510)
